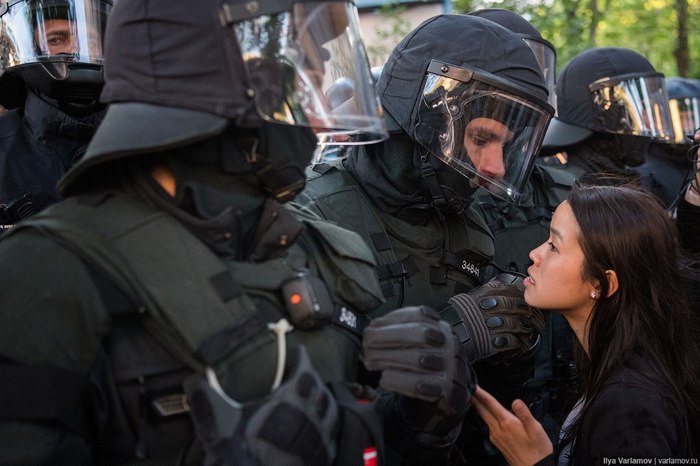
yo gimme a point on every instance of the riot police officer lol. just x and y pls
(50, 79)
(171, 309)
(669, 163)
(466, 106)
(611, 104)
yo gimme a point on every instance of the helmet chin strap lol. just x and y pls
(444, 199)
(80, 109)
(279, 156)
(73, 89)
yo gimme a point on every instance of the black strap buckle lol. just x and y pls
(17, 210)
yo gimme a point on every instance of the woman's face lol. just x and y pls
(555, 279)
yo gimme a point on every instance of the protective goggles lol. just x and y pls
(634, 105)
(66, 31)
(298, 54)
(547, 58)
(482, 126)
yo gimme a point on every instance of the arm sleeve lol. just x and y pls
(546, 461)
(628, 421)
(52, 326)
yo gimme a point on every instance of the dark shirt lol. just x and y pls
(634, 415)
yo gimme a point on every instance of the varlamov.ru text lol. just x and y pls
(622, 460)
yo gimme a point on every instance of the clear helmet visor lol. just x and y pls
(634, 105)
(547, 59)
(67, 31)
(308, 67)
(486, 132)
(685, 115)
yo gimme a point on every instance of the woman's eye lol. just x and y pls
(551, 246)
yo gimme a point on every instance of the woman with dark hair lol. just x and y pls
(610, 267)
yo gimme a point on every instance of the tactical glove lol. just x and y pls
(421, 359)
(296, 425)
(494, 321)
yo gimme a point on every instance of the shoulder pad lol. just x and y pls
(343, 242)
(345, 261)
(320, 169)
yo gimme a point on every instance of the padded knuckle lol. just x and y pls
(431, 361)
(494, 322)
(488, 303)
(500, 342)
(430, 390)
(305, 385)
(435, 336)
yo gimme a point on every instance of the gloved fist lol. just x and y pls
(494, 321)
(295, 425)
(420, 357)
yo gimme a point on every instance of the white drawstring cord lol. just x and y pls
(280, 328)
(214, 384)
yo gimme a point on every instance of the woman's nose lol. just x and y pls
(534, 254)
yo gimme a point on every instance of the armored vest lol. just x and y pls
(417, 264)
(176, 307)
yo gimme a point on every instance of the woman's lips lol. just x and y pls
(528, 281)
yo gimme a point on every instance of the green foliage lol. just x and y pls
(649, 27)
(397, 27)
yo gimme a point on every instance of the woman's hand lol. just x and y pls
(518, 435)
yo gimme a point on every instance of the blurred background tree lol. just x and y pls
(395, 26)
(666, 32)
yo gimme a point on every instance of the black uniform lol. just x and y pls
(666, 171)
(171, 309)
(412, 202)
(38, 144)
(50, 81)
(115, 391)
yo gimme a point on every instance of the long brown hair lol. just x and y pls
(627, 230)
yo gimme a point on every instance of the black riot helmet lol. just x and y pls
(177, 73)
(609, 90)
(471, 93)
(54, 47)
(544, 51)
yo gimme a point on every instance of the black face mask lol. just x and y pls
(285, 151)
(206, 189)
(240, 168)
